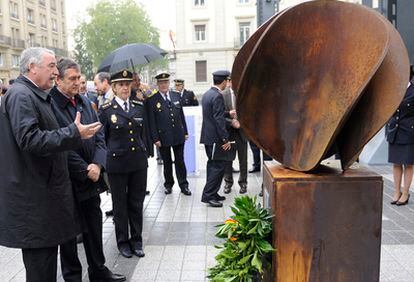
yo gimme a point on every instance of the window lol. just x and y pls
(55, 43)
(14, 10)
(43, 22)
(32, 40)
(244, 32)
(30, 16)
(201, 71)
(43, 40)
(199, 2)
(15, 61)
(15, 33)
(200, 32)
(42, 2)
(1, 60)
(54, 25)
(53, 5)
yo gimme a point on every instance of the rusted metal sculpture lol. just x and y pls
(321, 77)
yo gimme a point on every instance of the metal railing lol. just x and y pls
(5, 40)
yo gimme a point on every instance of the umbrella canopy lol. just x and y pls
(130, 55)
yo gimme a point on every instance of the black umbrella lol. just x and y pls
(130, 55)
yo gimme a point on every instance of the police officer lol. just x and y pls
(169, 131)
(214, 132)
(187, 97)
(124, 122)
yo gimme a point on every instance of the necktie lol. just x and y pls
(73, 102)
(125, 106)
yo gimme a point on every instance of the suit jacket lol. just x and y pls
(188, 98)
(36, 197)
(400, 128)
(93, 150)
(104, 99)
(213, 129)
(166, 119)
(126, 137)
(229, 104)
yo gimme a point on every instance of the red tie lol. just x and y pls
(73, 102)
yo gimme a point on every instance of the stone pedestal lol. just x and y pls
(327, 224)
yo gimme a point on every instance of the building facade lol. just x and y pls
(209, 33)
(29, 23)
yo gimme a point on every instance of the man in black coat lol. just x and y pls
(187, 97)
(85, 165)
(36, 199)
(214, 133)
(169, 131)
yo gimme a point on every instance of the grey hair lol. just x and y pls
(32, 55)
(104, 75)
(65, 64)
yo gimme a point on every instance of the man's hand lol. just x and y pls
(93, 172)
(226, 146)
(233, 114)
(186, 137)
(86, 131)
(158, 144)
(235, 123)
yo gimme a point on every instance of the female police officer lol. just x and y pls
(124, 122)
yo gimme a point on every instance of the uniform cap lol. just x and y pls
(162, 76)
(179, 81)
(223, 74)
(123, 75)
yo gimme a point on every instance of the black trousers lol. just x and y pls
(180, 169)
(40, 264)
(91, 215)
(215, 173)
(256, 155)
(241, 147)
(128, 194)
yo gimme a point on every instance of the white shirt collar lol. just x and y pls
(31, 81)
(166, 95)
(121, 102)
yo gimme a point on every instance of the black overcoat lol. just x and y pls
(188, 98)
(93, 150)
(36, 198)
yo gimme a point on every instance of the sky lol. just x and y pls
(161, 13)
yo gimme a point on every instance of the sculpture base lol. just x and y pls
(327, 224)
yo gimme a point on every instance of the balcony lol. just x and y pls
(17, 43)
(5, 40)
(58, 51)
(42, 3)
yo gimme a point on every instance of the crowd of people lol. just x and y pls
(65, 146)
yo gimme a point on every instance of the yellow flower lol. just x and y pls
(230, 221)
(232, 238)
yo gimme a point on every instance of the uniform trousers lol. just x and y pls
(91, 215)
(40, 264)
(128, 194)
(180, 169)
(241, 148)
(256, 155)
(215, 173)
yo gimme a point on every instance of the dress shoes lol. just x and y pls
(220, 198)
(167, 190)
(126, 253)
(243, 189)
(213, 203)
(139, 253)
(227, 189)
(107, 277)
(398, 203)
(147, 193)
(395, 202)
(186, 191)
(109, 213)
(254, 169)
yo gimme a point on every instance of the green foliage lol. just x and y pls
(243, 255)
(111, 24)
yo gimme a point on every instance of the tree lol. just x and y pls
(83, 57)
(111, 24)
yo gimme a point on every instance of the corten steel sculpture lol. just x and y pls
(318, 78)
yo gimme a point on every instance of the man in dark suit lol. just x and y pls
(235, 134)
(85, 165)
(188, 98)
(169, 131)
(214, 133)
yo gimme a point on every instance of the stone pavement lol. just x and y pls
(179, 234)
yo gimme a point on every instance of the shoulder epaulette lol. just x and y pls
(106, 106)
(152, 93)
(138, 102)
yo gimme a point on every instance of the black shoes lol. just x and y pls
(126, 253)
(186, 191)
(398, 203)
(220, 198)
(109, 213)
(147, 193)
(254, 169)
(395, 202)
(107, 277)
(167, 190)
(227, 189)
(243, 189)
(139, 253)
(213, 203)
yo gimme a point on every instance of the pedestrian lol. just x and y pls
(169, 132)
(400, 137)
(214, 136)
(85, 170)
(187, 97)
(128, 145)
(37, 204)
(103, 88)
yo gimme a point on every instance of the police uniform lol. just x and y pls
(400, 131)
(127, 152)
(187, 97)
(167, 125)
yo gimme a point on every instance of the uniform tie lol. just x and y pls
(125, 106)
